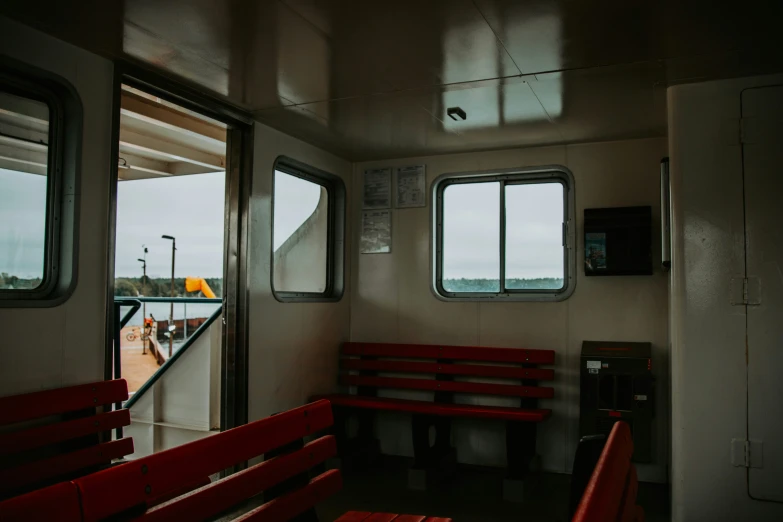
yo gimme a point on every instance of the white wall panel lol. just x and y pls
(50, 348)
(183, 404)
(392, 300)
(709, 383)
(762, 113)
(293, 346)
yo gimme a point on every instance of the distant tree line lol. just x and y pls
(160, 287)
(11, 282)
(492, 285)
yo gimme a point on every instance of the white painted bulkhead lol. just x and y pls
(64, 345)
(709, 371)
(184, 404)
(294, 346)
(392, 302)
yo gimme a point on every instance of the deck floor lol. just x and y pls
(137, 367)
(474, 495)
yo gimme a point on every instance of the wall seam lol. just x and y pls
(570, 423)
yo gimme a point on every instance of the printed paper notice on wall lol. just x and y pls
(376, 232)
(377, 189)
(411, 187)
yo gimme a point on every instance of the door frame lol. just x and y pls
(748, 274)
(239, 164)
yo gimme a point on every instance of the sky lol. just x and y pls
(22, 223)
(471, 237)
(190, 208)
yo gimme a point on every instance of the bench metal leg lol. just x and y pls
(427, 455)
(291, 484)
(520, 450)
(520, 453)
(360, 451)
(432, 462)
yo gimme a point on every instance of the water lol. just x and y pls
(161, 311)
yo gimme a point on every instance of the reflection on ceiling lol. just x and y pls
(373, 79)
(24, 134)
(160, 139)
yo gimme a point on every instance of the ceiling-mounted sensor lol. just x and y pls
(456, 114)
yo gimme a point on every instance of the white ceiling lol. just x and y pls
(371, 79)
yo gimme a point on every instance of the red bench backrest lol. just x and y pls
(140, 486)
(451, 361)
(65, 442)
(610, 494)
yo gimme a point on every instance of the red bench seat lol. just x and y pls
(174, 485)
(364, 516)
(446, 372)
(363, 361)
(611, 492)
(439, 409)
(64, 441)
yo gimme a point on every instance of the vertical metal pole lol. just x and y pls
(502, 237)
(171, 309)
(117, 359)
(185, 333)
(144, 307)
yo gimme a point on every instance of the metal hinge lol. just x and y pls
(745, 291)
(747, 453)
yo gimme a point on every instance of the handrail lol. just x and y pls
(173, 359)
(185, 300)
(135, 304)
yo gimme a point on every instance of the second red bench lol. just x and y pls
(448, 372)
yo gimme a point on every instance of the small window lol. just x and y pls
(504, 235)
(23, 191)
(307, 233)
(35, 161)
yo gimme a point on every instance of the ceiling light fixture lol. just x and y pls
(456, 113)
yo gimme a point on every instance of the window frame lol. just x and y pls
(335, 232)
(507, 177)
(62, 185)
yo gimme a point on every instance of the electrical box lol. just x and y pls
(618, 241)
(616, 383)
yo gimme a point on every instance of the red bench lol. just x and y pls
(363, 516)
(174, 485)
(611, 492)
(54, 434)
(445, 370)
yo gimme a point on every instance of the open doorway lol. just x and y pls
(169, 228)
(175, 314)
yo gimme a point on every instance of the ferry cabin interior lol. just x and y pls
(529, 222)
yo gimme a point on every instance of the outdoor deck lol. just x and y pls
(137, 367)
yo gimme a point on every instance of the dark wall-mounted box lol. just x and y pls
(618, 241)
(616, 383)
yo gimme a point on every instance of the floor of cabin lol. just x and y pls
(474, 495)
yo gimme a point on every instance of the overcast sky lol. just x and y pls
(534, 217)
(191, 209)
(22, 221)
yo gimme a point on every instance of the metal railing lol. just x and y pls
(136, 302)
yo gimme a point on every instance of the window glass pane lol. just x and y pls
(23, 191)
(301, 228)
(534, 236)
(471, 237)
